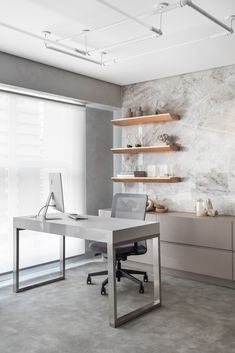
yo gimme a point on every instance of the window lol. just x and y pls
(38, 136)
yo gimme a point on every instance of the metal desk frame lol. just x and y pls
(114, 320)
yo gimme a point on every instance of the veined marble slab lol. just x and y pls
(206, 103)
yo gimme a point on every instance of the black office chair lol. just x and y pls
(131, 206)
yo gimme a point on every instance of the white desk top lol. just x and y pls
(114, 230)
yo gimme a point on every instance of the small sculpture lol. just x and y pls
(130, 113)
(165, 138)
(129, 144)
(150, 205)
(205, 208)
(157, 207)
(138, 140)
(210, 210)
(139, 112)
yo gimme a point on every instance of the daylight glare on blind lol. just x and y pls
(38, 137)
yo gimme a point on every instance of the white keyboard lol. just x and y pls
(76, 216)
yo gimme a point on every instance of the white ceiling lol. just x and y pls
(182, 47)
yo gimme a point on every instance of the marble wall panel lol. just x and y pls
(206, 103)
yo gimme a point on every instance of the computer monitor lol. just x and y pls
(56, 190)
(55, 195)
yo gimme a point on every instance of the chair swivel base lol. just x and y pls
(120, 273)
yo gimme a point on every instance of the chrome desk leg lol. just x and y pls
(157, 270)
(156, 303)
(112, 290)
(62, 256)
(16, 269)
(16, 232)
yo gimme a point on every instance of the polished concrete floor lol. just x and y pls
(71, 317)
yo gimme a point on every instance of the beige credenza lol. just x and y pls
(197, 245)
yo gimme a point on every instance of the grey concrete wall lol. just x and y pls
(99, 159)
(29, 74)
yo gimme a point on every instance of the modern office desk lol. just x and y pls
(114, 232)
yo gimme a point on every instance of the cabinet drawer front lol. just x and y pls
(234, 266)
(233, 236)
(210, 262)
(210, 232)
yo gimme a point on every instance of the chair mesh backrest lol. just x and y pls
(131, 206)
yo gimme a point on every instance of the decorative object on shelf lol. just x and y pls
(163, 170)
(150, 205)
(159, 208)
(129, 145)
(139, 112)
(130, 113)
(165, 138)
(138, 140)
(128, 174)
(210, 210)
(152, 170)
(156, 110)
(139, 173)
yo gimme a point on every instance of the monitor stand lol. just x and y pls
(43, 216)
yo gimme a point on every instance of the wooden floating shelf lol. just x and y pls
(146, 119)
(146, 180)
(146, 149)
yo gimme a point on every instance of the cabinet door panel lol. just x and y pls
(210, 232)
(234, 266)
(210, 262)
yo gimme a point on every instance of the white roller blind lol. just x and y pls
(37, 137)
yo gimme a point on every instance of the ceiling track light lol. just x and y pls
(206, 14)
(134, 19)
(48, 42)
(160, 8)
(74, 54)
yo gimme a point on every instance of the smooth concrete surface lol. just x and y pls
(21, 72)
(99, 159)
(71, 317)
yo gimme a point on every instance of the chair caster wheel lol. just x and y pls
(103, 291)
(146, 279)
(141, 290)
(88, 281)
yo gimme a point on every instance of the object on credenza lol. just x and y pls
(125, 174)
(140, 173)
(159, 208)
(210, 210)
(130, 113)
(150, 205)
(139, 112)
(200, 208)
(205, 208)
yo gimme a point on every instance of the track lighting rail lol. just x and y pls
(206, 14)
(86, 53)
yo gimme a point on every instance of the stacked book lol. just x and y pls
(125, 175)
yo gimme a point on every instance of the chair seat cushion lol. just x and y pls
(128, 249)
